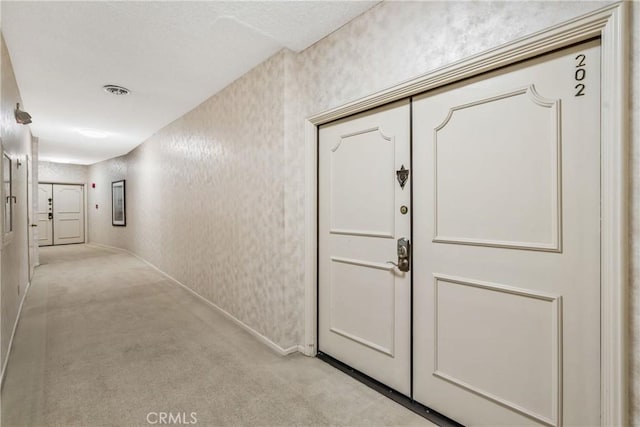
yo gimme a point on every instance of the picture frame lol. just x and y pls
(118, 206)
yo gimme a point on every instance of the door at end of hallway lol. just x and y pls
(60, 214)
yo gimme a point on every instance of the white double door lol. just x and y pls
(60, 214)
(501, 304)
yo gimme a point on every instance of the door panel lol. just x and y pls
(507, 245)
(522, 329)
(351, 280)
(68, 203)
(364, 315)
(520, 138)
(45, 207)
(356, 162)
(31, 230)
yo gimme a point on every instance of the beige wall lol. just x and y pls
(230, 174)
(100, 229)
(204, 201)
(62, 173)
(16, 142)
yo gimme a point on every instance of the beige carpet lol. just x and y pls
(106, 340)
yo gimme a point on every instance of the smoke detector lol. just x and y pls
(116, 90)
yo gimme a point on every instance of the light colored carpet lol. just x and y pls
(105, 340)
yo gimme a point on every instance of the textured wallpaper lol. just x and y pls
(205, 201)
(99, 203)
(216, 199)
(16, 142)
(62, 173)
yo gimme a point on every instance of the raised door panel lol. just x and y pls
(510, 144)
(68, 199)
(513, 336)
(66, 229)
(362, 195)
(352, 282)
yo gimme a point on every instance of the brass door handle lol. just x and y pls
(34, 225)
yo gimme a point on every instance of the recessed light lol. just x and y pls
(92, 133)
(116, 90)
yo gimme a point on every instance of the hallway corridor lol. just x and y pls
(105, 340)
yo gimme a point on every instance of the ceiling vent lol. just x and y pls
(116, 90)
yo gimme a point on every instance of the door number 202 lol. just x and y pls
(580, 74)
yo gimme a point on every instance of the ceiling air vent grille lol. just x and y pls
(116, 90)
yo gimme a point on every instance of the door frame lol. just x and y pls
(610, 24)
(84, 202)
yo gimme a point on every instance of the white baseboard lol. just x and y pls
(275, 347)
(13, 334)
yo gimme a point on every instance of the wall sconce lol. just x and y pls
(22, 117)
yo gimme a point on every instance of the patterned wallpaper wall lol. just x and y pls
(99, 203)
(205, 201)
(231, 172)
(63, 173)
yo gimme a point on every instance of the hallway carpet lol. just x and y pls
(105, 340)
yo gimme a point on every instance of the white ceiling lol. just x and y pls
(171, 55)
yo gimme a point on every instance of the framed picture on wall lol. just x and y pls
(117, 203)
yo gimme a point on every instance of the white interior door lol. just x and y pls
(68, 214)
(31, 231)
(507, 244)
(45, 214)
(364, 302)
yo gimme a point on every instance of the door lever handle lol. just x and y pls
(402, 264)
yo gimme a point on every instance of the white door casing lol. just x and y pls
(365, 301)
(507, 244)
(45, 207)
(609, 24)
(68, 214)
